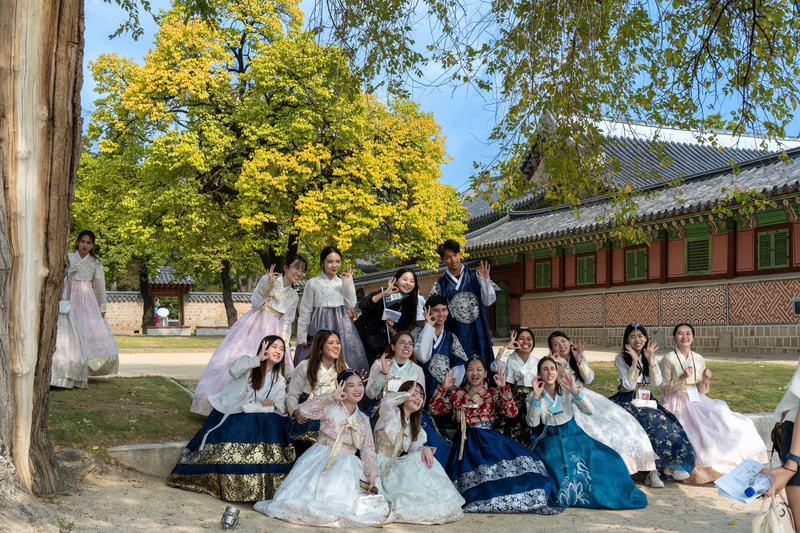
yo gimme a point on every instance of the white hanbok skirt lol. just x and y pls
(310, 498)
(619, 430)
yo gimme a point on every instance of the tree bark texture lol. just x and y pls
(41, 60)
(148, 306)
(227, 290)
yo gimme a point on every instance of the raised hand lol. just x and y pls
(427, 457)
(568, 382)
(267, 403)
(338, 394)
(687, 373)
(500, 379)
(386, 364)
(512, 343)
(560, 361)
(348, 273)
(428, 316)
(706, 375)
(483, 270)
(650, 351)
(364, 376)
(272, 274)
(538, 388)
(630, 351)
(262, 352)
(449, 380)
(577, 351)
(391, 287)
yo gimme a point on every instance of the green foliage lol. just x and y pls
(241, 138)
(556, 69)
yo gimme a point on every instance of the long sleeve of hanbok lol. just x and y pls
(672, 381)
(296, 386)
(488, 291)
(242, 364)
(423, 347)
(278, 396)
(504, 403)
(630, 374)
(367, 450)
(286, 323)
(262, 292)
(349, 293)
(586, 373)
(304, 311)
(375, 381)
(441, 402)
(99, 287)
(501, 360)
(314, 409)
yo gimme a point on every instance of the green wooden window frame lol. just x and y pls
(584, 270)
(636, 264)
(773, 249)
(543, 270)
(697, 255)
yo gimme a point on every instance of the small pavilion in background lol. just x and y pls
(167, 285)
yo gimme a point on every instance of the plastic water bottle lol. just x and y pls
(758, 486)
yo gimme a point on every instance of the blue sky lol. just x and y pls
(461, 113)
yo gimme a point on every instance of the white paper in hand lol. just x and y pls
(734, 484)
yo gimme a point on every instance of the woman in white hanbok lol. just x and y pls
(85, 345)
(415, 483)
(274, 308)
(610, 424)
(323, 488)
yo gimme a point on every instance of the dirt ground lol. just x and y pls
(125, 501)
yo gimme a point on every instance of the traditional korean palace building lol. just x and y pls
(731, 274)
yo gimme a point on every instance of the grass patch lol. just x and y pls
(113, 412)
(747, 387)
(144, 342)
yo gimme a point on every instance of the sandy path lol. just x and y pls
(129, 502)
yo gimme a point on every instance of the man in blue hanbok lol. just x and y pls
(469, 292)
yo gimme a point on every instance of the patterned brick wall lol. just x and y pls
(624, 308)
(763, 302)
(698, 305)
(579, 311)
(538, 313)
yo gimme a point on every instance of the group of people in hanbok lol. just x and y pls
(406, 414)
(85, 345)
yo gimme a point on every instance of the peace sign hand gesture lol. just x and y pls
(483, 270)
(348, 273)
(428, 316)
(273, 276)
(338, 394)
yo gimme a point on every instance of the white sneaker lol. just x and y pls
(677, 475)
(653, 480)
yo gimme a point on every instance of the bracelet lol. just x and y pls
(789, 469)
(794, 458)
(384, 373)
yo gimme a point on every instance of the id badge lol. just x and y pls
(694, 394)
(643, 394)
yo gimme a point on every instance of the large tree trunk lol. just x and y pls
(227, 290)
(41, 57)
(148, 306)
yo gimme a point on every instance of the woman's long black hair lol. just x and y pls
(626, 356)
(408, 307)
(258, 374)
(573, 364)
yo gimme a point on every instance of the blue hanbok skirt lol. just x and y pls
(302, 436)
(666, 433)
(585, 472)
(498, 475)
(244, 460)
(437, 438)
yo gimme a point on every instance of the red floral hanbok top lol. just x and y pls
(480, 408)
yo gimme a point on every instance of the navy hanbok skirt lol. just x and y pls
(244, 460)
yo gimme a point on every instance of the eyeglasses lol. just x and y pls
(405, 343)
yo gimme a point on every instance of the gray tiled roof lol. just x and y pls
(639, 161)
(165, 275)
(123, 296)
(767, 175)
(217, 296)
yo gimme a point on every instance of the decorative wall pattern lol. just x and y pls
(578, 311)
(539, 313)
(626, 307)
(698, 305)
(766, 302)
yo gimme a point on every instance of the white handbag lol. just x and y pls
(777, 518)
(64, 307)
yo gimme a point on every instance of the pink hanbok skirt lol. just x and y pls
(84, 340)
(722, 439)
(242, 339)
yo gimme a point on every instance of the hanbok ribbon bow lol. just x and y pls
(398, 446)
(352, 426)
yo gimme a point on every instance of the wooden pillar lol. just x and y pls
(731, 271)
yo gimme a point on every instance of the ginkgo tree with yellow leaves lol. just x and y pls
(242, 137)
